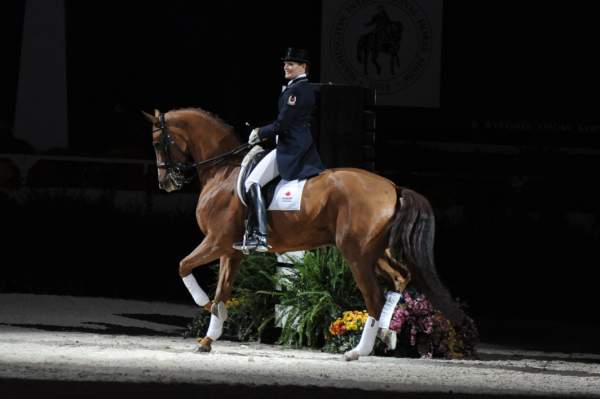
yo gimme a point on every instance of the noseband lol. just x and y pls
(177, 170)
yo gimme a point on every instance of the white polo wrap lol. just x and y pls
(215, 328)
(197, 292)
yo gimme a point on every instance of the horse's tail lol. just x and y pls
(411, 241)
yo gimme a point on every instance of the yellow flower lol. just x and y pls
(232, 302)
(351, 320)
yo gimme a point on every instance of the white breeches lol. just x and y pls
(264, 172)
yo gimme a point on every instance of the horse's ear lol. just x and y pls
(151, 118)
(156, 114)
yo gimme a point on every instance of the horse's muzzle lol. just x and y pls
(169, 184)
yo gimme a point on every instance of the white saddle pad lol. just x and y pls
(287, 195)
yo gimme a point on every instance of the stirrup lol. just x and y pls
(262, 245)
(245, 249)
(244, 245)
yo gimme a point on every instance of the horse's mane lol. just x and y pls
(207, 115)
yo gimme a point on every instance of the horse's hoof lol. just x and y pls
(204, 345)
(203, 348)
(351, 355)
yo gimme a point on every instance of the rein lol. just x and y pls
(219, 158)
(182, 167)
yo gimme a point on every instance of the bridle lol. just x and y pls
(176, 170)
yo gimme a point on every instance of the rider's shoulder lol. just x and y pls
(302, 86)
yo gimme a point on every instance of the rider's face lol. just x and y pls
(293, 69)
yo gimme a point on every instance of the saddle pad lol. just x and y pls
(287, 195)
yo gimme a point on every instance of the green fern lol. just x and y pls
(253, 313)
(322, 287)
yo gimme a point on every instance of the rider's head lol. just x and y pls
(295, 62)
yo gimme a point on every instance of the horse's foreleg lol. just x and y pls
(228, 269)
(204, 253)
(227, 273)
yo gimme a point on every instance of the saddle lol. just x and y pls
(248, 164)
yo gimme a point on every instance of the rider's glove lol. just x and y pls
(254, 138)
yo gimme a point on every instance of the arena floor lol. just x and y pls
(72, 347)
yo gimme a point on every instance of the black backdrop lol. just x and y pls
(511, 252)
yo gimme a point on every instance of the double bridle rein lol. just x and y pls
(177, 170)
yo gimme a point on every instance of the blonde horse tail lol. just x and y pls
(411, 240)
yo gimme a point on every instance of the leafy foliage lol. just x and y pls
(321, 287)
(314, 295)
(250, 312)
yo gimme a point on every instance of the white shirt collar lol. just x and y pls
(296, 78)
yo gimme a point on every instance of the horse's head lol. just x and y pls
(172, 151)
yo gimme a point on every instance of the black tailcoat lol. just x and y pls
(297, 156)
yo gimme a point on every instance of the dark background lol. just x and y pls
(509, 160)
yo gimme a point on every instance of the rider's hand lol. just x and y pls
(254, 138)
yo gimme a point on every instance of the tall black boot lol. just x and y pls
(260, 209)
(248, 242)
(255, 236)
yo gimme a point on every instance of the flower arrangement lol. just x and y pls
(344, 332)
(423, 331)
(316, 295)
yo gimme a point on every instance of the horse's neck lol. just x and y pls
(219, 179)
(209, 141)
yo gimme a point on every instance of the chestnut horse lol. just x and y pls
(380, 228)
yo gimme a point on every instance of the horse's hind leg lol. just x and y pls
(362, 264)
(388, 267)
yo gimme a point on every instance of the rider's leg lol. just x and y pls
(261, 217)
(264, 172)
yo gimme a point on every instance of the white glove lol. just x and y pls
(254, 138)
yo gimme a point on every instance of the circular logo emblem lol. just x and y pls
(385, 45)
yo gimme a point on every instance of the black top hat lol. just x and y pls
(296, 55)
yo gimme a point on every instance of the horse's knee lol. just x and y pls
(184, 269)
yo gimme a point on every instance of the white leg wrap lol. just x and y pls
(219, 310)
(367, 340)
(198, 293)
(215, 328)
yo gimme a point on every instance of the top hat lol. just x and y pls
(296, 55)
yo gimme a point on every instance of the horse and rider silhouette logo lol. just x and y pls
(385, 45)
(385, 37)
